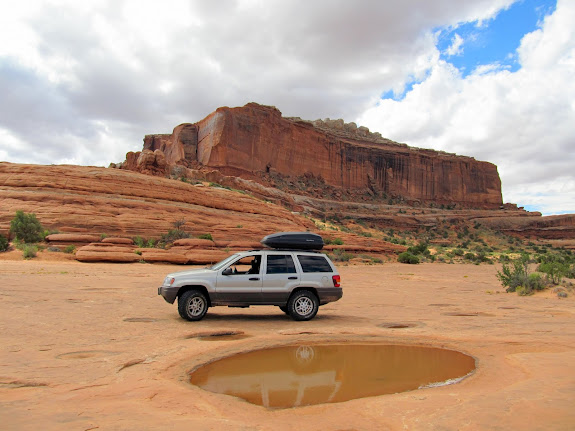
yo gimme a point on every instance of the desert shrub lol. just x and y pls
(173, 235)
(54, 249)
(143, 242)
(407, 257)
(26, 228)
(515, 274)
(70, 249)
(29, 251)
(555, 266)
(333, 241)
(4, 244)
(458, 252)
(420, 248)
(206, 236)
(340, 255)
(534, 282)
(469, 256)
(554, 270)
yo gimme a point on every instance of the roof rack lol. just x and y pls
(284, 249)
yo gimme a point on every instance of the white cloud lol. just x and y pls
(86, 80)
(456, 47)
(524, 122)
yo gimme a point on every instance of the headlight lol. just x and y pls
(169, 281)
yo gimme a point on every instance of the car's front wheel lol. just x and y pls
(192, 305)
(303, 305)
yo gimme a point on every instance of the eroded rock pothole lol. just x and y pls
(218, 336)
(300, 375)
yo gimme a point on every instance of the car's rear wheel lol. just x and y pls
(192, 305)
(303, 305)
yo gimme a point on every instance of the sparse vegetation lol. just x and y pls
(340, 255)
(333, 241)
(26, 228)
(70, 249)
(29, 251)
(407, 257)
(174, 234)
(207, 236)
(4, 244)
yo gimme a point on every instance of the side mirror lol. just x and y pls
(227, 271)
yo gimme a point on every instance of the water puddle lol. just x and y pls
(293, 376)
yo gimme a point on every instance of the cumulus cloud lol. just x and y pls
(85, 81)
(524, 122)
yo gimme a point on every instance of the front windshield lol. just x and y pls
(224, 262)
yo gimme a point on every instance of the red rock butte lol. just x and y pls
(255, 140)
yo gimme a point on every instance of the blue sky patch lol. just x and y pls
(494, 41)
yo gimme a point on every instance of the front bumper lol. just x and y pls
(169, 293)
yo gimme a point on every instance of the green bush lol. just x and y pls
(555, 270)
(70, 249)
(206, 236)
(26, 227)
(30, 251)
(173, 235)
(407, 257)
(516, 277)
(340, 255)
(334, 241)
(4, 244)
(420, 248)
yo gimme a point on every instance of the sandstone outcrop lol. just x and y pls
(254, 141)
(100, 210)
(84, 200)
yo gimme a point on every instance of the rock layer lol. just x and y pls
(254, 139)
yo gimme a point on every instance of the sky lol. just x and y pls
(82, 82)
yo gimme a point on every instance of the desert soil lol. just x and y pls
(92, 346)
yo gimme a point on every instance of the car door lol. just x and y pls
(240, 282)
(280, 278)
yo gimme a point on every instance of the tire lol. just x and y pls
(192, 305)
(284, 309)
(303, 305)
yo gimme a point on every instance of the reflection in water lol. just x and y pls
(294, 376)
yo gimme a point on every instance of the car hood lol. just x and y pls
(191, 273)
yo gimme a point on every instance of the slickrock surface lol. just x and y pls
(95, 201)
(93, 347)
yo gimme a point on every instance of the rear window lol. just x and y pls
(314, 263)
(280, 264)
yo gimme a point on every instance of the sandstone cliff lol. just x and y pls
(254, 140)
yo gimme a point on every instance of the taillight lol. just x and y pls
(336, 280)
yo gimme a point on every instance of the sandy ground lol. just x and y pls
(92, 346)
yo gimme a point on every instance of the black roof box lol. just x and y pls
(294, 241)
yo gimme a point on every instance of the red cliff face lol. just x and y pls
(256, 139)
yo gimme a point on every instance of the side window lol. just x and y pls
(280, 264)
(314, 263)
(246, 265)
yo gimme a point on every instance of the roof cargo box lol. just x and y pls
(294, 241)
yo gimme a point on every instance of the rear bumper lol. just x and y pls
(168, 293)
(329, 294)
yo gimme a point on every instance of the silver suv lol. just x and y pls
(298, 282)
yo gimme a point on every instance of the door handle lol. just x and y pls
(292, 278)
(254, 278)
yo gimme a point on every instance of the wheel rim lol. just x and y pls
(196, 306)
(303, 306)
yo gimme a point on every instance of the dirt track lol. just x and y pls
(92, 346)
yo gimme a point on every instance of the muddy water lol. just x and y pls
(292, 376)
